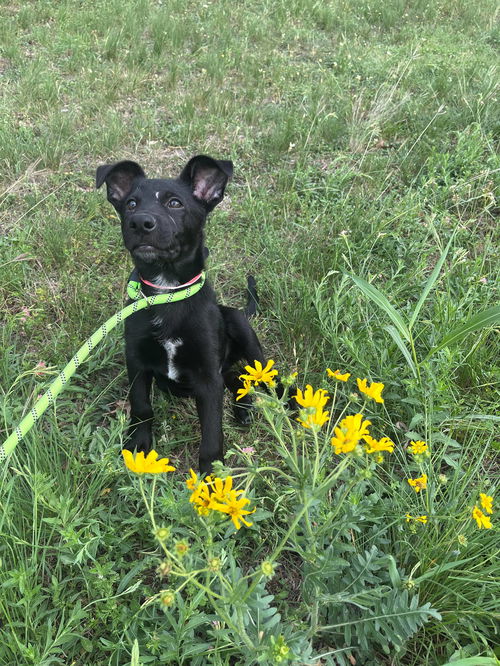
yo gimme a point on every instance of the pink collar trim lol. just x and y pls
(181, 286)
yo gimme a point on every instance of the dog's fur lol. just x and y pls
(189, 347)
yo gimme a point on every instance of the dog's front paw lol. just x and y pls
(139, 438)
(243, 413)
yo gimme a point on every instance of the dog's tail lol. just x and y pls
(253, 300)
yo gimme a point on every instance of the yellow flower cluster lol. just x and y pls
(336, 374)
(418, 484)
(349, 433)
(312, 403)
(374, 446)
(352, 430)
(373, 391)
(418, 519)
(255, 376)
(215, 494)
(483, 521)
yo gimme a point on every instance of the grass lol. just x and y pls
(365, 138)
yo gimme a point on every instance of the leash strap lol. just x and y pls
(81, 355)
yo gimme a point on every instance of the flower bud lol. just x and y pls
(164, 568)
(267, 568)
(162, 533)
(214, 564)
(167, 598)
(181, 548)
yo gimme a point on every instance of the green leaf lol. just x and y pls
(378, 297)
(135, 654)
(442, 567)
(393, 572)
(489, 317)
(394, 333)
(430, 282)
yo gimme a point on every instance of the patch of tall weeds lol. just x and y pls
(333, 545)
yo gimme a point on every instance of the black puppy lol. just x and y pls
(189, 346)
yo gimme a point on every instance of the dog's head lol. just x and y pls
(163, 219)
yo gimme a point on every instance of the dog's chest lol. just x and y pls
(171, 344)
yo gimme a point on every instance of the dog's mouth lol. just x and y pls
(145, 252)
(149, 253)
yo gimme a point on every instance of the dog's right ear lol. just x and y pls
(119, 178)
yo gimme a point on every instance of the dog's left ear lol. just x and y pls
(207, 178)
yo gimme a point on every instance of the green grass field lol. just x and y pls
(365, 140)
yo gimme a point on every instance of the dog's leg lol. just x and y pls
(242, 407)
(139, 433)
(243, 345)
(209, 405)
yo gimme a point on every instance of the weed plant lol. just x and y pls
(365, 201)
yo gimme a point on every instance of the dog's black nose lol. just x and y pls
(142, 222)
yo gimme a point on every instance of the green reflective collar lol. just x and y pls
(180, 293)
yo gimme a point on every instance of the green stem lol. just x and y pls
(316, 457)
(414, 356)
(238, 630)
(278, 550)
(278, 471)
(328, 482)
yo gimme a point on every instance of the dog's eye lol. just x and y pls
(131, 204)
(174, 203)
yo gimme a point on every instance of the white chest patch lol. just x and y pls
(171, 347)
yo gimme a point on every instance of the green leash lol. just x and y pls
(134, 291)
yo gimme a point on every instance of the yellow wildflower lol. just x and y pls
(419, 519)
(260, 374)
(419, 484)
(221, 488)
(486, 502)
(481, 520)
(418, 447)
(374, 446)
(336, 374)
(139, 464)
(216, 494)
(242, 392)
(233, 506)
(201, 498)
(312, 403)
(193, 482)
(373, 391)
(349, 432)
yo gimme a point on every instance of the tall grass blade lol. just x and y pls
(378, 297)
(474, 661)
(489, 317)
(430, 282)
(394, 333)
